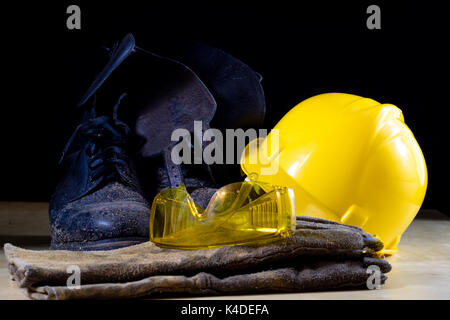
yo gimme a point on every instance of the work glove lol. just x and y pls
(320, 255)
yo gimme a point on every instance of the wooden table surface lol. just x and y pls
(420, 269)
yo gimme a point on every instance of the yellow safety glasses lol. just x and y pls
(239, 213)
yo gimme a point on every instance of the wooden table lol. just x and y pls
(420, 269)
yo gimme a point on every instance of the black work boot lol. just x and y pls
(97, 204)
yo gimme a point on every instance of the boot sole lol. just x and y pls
(106, 244)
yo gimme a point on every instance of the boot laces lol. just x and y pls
(106, 139)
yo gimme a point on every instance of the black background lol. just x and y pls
(300, 50)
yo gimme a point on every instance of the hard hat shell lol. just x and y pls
(348, 159)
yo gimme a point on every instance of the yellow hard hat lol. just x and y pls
(348, 159)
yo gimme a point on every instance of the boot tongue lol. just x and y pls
(117, 56)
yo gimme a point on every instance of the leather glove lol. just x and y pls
(320, 255)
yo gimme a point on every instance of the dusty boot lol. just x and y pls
(97, 204)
